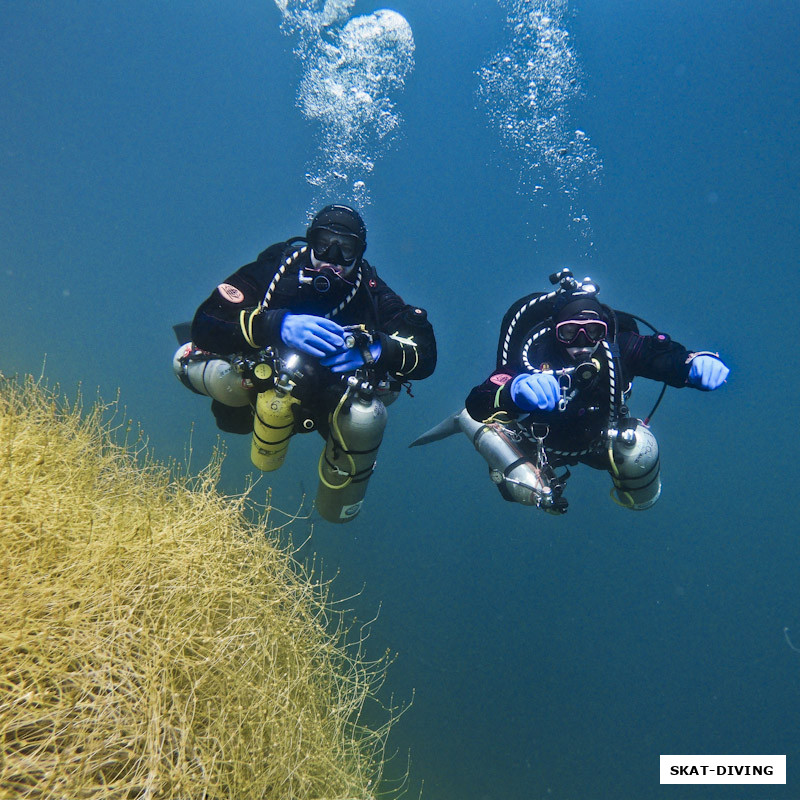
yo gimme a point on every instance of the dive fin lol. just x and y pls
(183, 332)
(447, 427)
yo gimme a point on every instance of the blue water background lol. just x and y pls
(148, 149)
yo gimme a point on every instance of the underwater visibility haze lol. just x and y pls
(148, 150)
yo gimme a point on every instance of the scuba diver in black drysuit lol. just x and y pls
(565, 365)
(312, 331)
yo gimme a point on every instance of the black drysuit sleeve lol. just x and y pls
(231, 319)
(408, 344)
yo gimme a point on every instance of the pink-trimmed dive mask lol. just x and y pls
(568, 331)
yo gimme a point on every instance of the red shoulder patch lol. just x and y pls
(501, 379)
(230, 293)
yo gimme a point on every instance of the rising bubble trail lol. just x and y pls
(528, 89)
(351, 68)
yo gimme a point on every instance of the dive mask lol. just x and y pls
(568, 331)
(334, 247)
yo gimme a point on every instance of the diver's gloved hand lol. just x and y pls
(538, 391)
(316, 336)
(348, 359)
(707, 372)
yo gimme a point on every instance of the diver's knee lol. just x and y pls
(233, 419)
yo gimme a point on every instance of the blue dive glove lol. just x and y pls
(348, 359)
(707, 372)
(538, 391)
(316, 336)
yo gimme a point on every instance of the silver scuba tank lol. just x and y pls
(635, 465)
(348, 460)
(508, 461)
(206, 374)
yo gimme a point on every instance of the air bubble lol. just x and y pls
(352, 67)
(528, 89)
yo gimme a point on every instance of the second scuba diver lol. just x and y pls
(309, 337)
(565, 366)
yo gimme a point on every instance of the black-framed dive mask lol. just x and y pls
(342, 249)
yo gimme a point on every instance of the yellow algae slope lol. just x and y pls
(153, 643)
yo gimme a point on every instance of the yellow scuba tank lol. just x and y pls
(348, 460)
(273, 423)
(635, 465)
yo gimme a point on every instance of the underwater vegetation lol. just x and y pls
(154, 643)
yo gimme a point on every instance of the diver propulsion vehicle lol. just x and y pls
(517, 459)
(518, 464)
(520, 478)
